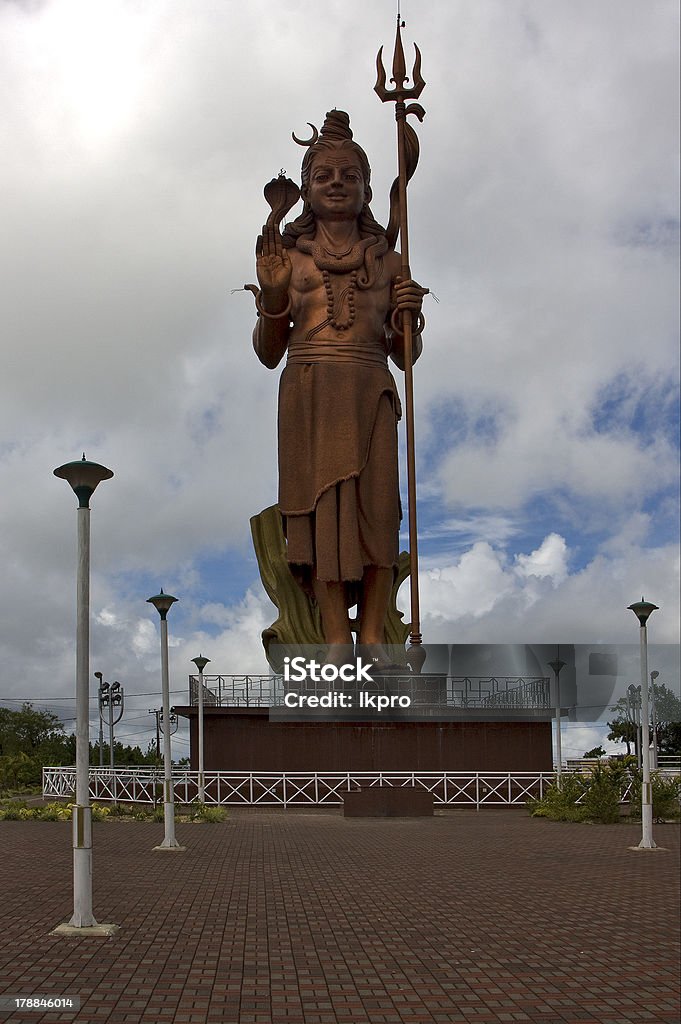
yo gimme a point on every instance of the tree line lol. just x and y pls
(667, 713)
(30, 739)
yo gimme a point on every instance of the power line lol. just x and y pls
(51, 700)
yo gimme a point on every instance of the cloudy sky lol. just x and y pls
(136, 141)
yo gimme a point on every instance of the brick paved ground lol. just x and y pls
(307, 918)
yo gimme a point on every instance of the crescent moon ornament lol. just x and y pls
(312, 141)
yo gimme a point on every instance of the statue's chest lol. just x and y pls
(312, 283)
(307, 278)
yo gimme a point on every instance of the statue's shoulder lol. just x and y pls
(393, 263)
(300, 261)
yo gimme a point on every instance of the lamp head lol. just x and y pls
(162, 603)
(201, 663)
(83, 476)
(557, 665)
(643, 610)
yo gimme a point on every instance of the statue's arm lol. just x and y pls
(270, 339)
(273, 266)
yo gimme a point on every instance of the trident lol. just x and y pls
(407, 159)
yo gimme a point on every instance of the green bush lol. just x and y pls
(18, 810)
(601, 802)
(666, 793)
(594, 797)
(100, 812)
(11, 810)
(122, 811)
(559, 803)
(52, 812)
(204, 812)
(214, 815)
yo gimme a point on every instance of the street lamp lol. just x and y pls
(162, 603)
(201, 663)
(83, 477)
(653, 716)
(643, 610)
(557, 665)
(100, 694)
(111, 697)
(174, 723)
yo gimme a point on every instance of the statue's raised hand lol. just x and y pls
(273, 266)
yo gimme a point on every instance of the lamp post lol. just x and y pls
(643, 610)
(83, 477)
(557, 665)
(173, 721)
(100, 697)
(201, 663)
(162, 603)
(116, 700)
(110, 697)
(653, 717)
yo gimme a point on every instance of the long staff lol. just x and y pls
(407, 158)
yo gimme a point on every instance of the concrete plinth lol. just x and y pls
(101, 930)
(388, 802)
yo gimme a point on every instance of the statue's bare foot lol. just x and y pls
(378, 656)
(339, 655)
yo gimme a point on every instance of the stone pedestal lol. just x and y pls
(388, 802)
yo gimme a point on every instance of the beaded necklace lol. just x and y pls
(349, 292)
(329, 263)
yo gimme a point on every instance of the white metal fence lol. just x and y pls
(296, 789)
(474, 692)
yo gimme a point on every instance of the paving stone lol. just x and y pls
(283, 917)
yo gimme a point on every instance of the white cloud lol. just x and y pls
(548, 560)
(472, 586)
(483, 598)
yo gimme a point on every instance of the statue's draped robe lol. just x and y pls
(338, 473)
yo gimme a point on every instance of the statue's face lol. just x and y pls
(336, 189)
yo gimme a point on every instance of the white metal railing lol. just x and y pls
(133, 785)
(439, 690)
(145, 785)
(313, 789)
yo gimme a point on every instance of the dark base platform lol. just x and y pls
(388, 802)
(245, 739)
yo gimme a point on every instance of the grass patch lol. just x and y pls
(18, 810)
